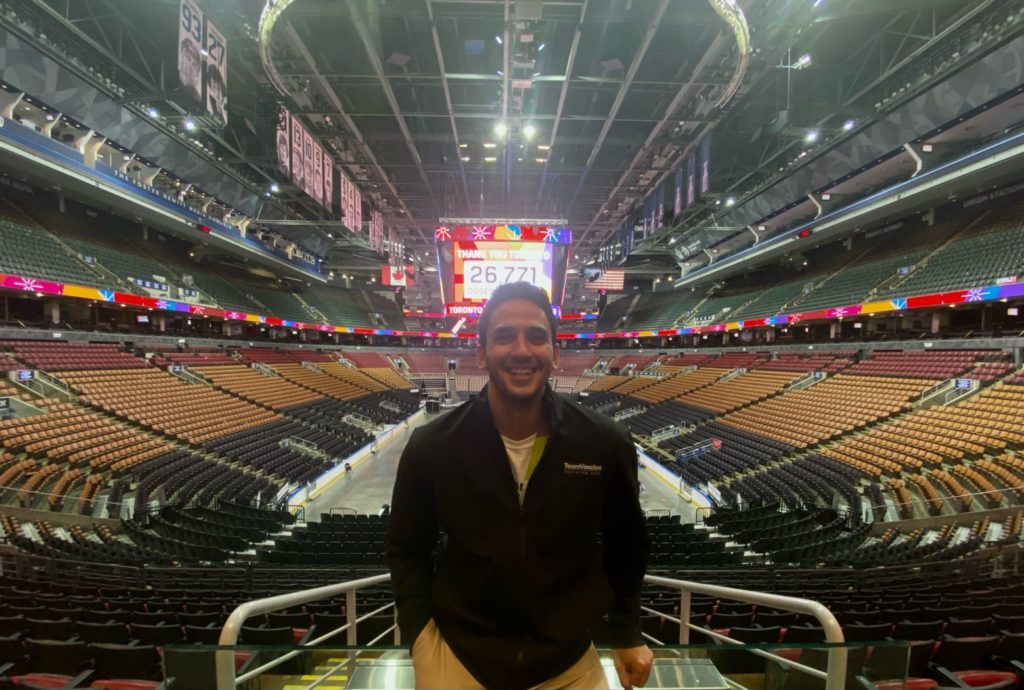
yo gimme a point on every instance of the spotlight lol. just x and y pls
(490, 159)
(497, 39)
(541, 47)
(848, 125)
(190, 124)
(275, 188)
(730, 202)
(804, 61)
(501, 129)
(152, 112)
(811, 136)
(529, 130)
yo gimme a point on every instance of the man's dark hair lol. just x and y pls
(511, 291)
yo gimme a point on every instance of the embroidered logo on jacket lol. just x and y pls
(581, 468)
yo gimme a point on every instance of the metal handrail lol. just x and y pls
(835, 674)
(225, 658)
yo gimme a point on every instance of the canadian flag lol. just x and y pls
(392, 275)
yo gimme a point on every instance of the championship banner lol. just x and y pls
(347, 201)
(298, 161)
(691, 179)
(318, 174)
(705, 165)
(216, 64)
(677, 208)
(357, 208)
(190, 46)
(328, 183)
(307, 161)
(660, 207)
(377, 231)
(284, 153)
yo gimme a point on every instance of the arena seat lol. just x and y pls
(835, 406)
(753, 386)
(32, 252)
(368, 359)
(389, 377)
(281, 303)
(342, 306)
(274, 392)
(354, 376)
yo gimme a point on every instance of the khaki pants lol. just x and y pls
(437, 667)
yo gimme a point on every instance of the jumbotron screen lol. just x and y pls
(473, 260)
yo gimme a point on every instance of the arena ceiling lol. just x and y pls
(407, 94)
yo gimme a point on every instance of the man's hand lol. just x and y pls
(633, 665)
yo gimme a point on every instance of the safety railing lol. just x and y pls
(835, 673)
(225, 658)
(833, 676)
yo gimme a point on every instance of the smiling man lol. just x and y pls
(522, 483)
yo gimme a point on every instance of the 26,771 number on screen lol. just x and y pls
(480, 278)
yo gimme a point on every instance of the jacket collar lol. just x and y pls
(554, 407)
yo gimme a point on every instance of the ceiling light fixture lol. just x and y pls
(190, 124)
(489, 144)
(543, 147)
(489, 159)
(848, 125)
(811, 136)
(497, 39)
(529, 130)
(501, 129)
(541, 47)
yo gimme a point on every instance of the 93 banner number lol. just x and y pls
(192, 22)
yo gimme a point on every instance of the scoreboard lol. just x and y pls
(474, 260)
(480, 267)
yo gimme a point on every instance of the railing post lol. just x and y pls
(685, 601)
(350, 617)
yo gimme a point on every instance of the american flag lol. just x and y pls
(611, 279)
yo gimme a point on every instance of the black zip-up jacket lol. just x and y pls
(517, 592)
